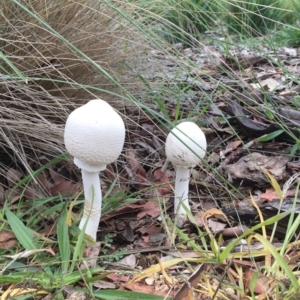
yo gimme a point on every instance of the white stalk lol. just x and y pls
(92, 204)
(181, 193)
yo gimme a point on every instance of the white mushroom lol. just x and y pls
(94, 135)
(185, 146)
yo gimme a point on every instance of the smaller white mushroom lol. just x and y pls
(94, 135)
(185, 147)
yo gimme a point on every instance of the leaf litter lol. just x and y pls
(138, 239)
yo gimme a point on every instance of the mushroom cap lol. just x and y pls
(178, 153)
(94, 135)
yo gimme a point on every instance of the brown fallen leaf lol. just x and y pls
(72, 294)
(127, 235)
(129, 208)
(185, 290)
(50, 229)
(13, 176)
(7, 239)
(103, 285)
(128, 261)
(261, 282)
(230, 147)
(216, 226)
(118, 278)
(62, 186)
(147, 289)
(65, 187)
(251, 168)
(141, 178)
(201, 217)
(91, 254)
(137, 171)
(110, 173)
(163, 181)
(150, 208)
(271, 194)
(150, 230)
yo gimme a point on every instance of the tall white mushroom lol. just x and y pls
(185, 146)
(94, 135)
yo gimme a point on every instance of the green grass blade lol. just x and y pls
(13, 67)
(123, 295)
(40, 170)
(279, 259)
(189, 241)
(63, 240)
(270, 136)
(74, 277)
(78, 250)
(225, 253)
(23, 234)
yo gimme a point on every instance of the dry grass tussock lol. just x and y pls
(32, 115)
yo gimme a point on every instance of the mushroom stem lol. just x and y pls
(181, 192)
(92, 205)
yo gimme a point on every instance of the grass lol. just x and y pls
(55, 59)
(259, 17)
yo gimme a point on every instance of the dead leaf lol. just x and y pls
(147, 289)
(270, 194)
(55, 176)
(137, 171)
(270, 84)
(146, 239)
(72, 294)
(118, 278)
(110, 173)
(231, 146)
(185, 290)
(261, 284)
(216, 226)
(129, 208)
(150, 280)
(150, 208)
(91, 254)
(50, 229)
(163, 180)
(65, 187)
(157, 239)
(202, 218)
(181, 254)
(102, 284)
(150, 230)
(7, 239)
(251, 168)
(141, 178)
(13, 176)
(214, 212)
(158, 54)
(198, 219)
(127, 235)
(290, 51)
(128, 261)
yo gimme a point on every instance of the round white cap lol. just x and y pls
(186, 133)
(94, 135)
